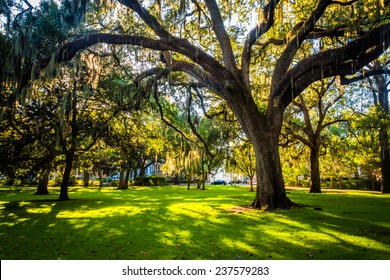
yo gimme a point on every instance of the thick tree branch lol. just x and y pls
(202, 105)
(341, 3)
(306, 116)
(222, 36)
(345, 60)
(363, 75)
(317, 33)
(194, 71)
(288, 54)
(180, 45)
(297, 136)
(150, 20)
(333, 122)
(68, 50)
(260, 29)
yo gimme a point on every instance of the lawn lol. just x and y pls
(174, 223)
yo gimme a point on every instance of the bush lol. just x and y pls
(351, 183)
(151, 181)
(58, 180)
(114, 183)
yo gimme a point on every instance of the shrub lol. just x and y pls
(58, 180)
(151, 181)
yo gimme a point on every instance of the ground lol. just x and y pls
(174, 223)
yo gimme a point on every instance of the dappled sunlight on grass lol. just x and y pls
(14, 222)
(291, 223)
(79, 223)
(200, 211)
(103, 212)
(2, 204)
(239, 245)
(173, 223)
(299, 238)
(176, 238)
(42, 209)
(364, 242)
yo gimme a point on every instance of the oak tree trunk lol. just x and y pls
(339, 179)
(385, 160)
(315, 183)
(382, 101)
(121, 185)
(270, 191)
(66, 176)
(176, 180)
(43, 182)
(85, 179)
(251, 183)
(263, 131)
(100, 178)
(127, 178)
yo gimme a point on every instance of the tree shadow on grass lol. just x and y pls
(176, 224)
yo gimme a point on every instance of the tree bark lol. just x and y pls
(383, 95)
(263, 131)
(121, 185)
(142, 170)
(251, 182)
(100, 178)
(315, 183)
(339, 179)
(385, 160)
(85, 179)
(176, 180)
(189, 177)
(43, 182)
(270, 191)
(127, 178)
(66, 176)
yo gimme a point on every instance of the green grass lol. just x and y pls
(173, 223)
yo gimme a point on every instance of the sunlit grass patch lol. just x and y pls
(174, 223)
(104, 212)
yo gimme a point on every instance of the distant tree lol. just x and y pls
(381, 101)
(316, 108)
(376, 75)
(28, 140)
(245, 161)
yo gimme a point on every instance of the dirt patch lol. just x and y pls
(241, 209)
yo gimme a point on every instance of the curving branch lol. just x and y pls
(288, 54)
(222, 36)
(149, 19)
(69, 49)
(346, 60)
(268, 15)
(202, 104)
(180, 45)
(204, 62)
(364, 75)
(194, 71)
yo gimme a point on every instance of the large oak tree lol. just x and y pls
(215, 56)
